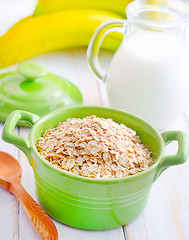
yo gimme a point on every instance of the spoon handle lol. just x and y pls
(38, 217)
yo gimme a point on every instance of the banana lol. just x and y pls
(47, 6)
(34, 35)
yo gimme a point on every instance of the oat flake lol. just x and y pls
(95, 147)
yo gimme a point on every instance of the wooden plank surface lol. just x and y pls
(166, 216)
(167, 213)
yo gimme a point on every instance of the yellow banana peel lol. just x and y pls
(34, 35)
(47, 6)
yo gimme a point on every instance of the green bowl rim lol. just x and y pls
(96, 180)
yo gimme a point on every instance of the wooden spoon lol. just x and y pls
(10, 175)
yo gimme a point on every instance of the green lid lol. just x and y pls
(34, 90)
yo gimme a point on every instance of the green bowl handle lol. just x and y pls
(182, 153)
(8, 131)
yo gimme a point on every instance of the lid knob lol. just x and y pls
(31, 70)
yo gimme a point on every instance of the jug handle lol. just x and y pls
(116, 25)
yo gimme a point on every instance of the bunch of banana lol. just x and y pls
(59, 24)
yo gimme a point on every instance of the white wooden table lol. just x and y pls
(166, 216)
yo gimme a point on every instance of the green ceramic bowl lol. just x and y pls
(94, 203)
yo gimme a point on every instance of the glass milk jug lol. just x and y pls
(149, 74)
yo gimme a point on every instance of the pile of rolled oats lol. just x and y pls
(95, 147)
